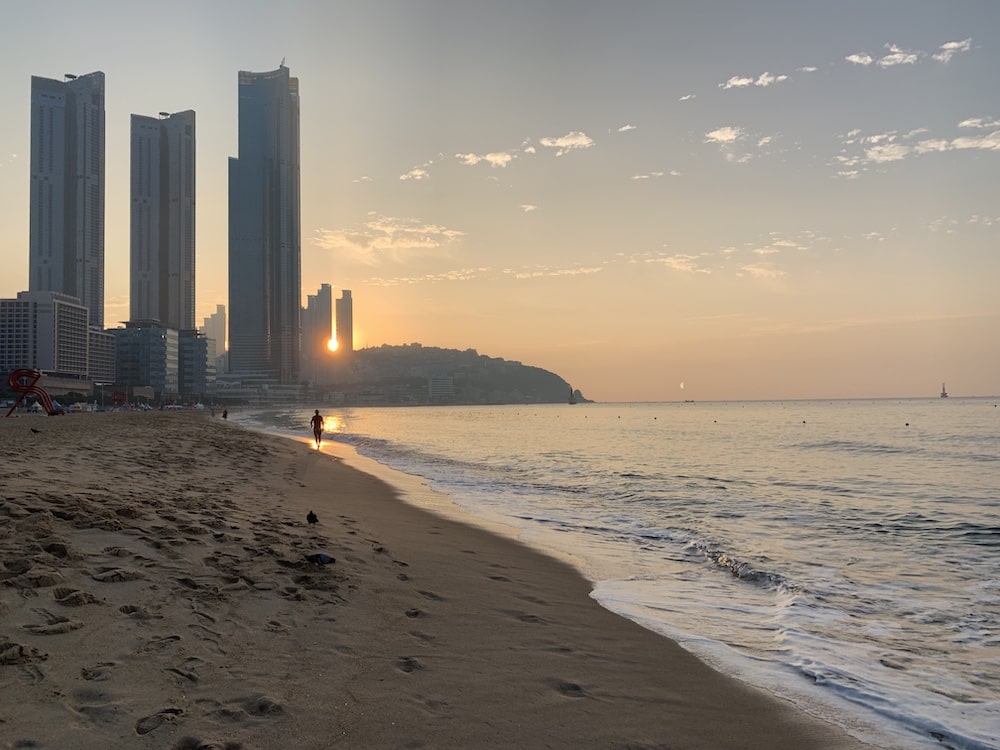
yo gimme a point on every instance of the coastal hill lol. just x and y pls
(417, 374)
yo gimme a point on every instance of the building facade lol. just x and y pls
(195, 364)
(101, 359)
(317, 330)
(345, 323)
(147, 354)
(162, 236)
(66, 205)
(44, 331)
(265, 230)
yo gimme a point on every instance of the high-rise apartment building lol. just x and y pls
(66, 234)
(264, 229)
(162, 257)
(345, 323)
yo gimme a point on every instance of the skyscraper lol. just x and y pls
(66, 234)
(162, 273)
(345, 323)
(214, 326)
(264, 229)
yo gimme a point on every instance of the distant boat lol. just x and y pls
(944, 393)
(572, 396)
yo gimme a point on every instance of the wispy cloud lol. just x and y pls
(763, 80)
(495, 159)
(979, 123)
(538, 272)
(680, 262)
(884, 148)
(648, 176)
(688, 97)
(572, 141)
(764, 271)
(385, 238)
(417, 173)
(458, 274)
(626, 128)
(898, 56)
(725, 135)
(528, 207)
(950, 49)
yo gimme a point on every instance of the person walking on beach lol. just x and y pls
(317, 425)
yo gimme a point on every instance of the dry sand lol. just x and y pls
(155, 593)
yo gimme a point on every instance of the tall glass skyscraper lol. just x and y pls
(162, 268)
(66, 234)
(265, 230)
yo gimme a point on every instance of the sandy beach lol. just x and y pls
(156, 590)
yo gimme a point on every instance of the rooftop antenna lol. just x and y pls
(282, 63)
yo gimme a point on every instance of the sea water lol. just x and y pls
(843, 554)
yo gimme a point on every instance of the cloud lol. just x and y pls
(950, 49)
(648, 176)
(688, 97)
(528, 207)
(762, 271)
(979, 122)
(898, 56)
(415, 174)
(887, 152)
(458, 274)
(860, 59)
(570, 142)
(763, 80)
(537, 272)
(496, 159)
(808, 69)
(884, 148)
(726, 135)
(363, 178)
(626, 128)
(680, 262)
(387, 238)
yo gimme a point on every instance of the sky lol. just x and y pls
(655, 200)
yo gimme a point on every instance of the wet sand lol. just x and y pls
(156, 591)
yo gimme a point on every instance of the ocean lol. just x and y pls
(842, 554)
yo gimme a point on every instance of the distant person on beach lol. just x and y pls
(317, 425)
(225, 413)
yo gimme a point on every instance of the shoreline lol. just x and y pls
(154, 591)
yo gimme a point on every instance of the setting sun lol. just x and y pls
(332, 345)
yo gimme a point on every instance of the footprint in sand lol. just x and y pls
(147, 724)
(117, 575)
(16, 653)
(408, 664)
(53, 625)
(160, 644)
(569, 689)
(73, 598)
(99, 672)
